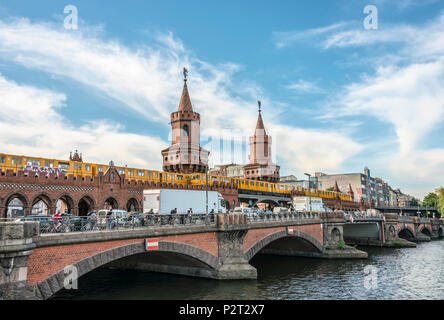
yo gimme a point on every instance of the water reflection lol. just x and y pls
(410, 273)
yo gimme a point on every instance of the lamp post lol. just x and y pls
(309, 189)
(206, 191)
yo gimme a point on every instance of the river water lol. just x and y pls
(408, 273)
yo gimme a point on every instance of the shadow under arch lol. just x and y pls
(426, 231)
(207, 262)
(282, 243)
(406, 233)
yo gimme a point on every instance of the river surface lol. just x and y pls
(408, 273)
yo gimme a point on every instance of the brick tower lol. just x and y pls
(185, 155)
(261, 166)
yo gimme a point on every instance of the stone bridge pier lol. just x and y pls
(16, 245)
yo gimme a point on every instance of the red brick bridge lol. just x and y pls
(33, 264)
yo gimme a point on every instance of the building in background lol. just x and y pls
(293, 180)
(364, 186)
(232, 170)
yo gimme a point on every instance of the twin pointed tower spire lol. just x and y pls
(260, 122)
(261, 166)
(185, 101)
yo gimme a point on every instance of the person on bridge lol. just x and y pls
(57, 216)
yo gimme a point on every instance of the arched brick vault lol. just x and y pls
(19, 195)
(407, 228)
(43, 196)
(251, 252)
(426, 230)
(55, 281)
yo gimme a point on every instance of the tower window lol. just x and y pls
(185, 130)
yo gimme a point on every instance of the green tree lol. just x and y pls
(414, 202)
(441, 200)
(431, 200)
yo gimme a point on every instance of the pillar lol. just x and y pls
(233, 262)
(15, 247)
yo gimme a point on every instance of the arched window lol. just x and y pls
(186, 130)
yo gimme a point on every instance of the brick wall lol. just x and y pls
(46, 261)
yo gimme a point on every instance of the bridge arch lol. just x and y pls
(46, 199)
(177, 251)
(406, 233)
(111, 202)
(65, 201)
(132, 205)
(86, 204)
(16, 195)
(298, 240)
(425, 230)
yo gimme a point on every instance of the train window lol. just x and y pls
(140, 173)
(262, 184)
(19, 161)
(227, 180)
(63, 165)
(214, 179)
(179, 177)
(2, 159)
(88, 167)
(257, 184)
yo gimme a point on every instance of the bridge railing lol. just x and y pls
(283, 216)
(47, 225)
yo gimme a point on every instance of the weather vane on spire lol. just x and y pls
(259, 104)
(185, 73)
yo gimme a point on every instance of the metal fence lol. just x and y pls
(282, 216)
(88, 224)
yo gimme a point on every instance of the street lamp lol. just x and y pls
(309, 189)
(206, 191)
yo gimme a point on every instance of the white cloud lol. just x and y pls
(286, 38)
(30, 124)
(304, 86)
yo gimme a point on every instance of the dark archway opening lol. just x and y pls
(290, 246)
(427, 232)
(86, 205)
(406, 234)
(111, 203)
(132, 205)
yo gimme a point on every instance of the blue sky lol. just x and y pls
(335, 97)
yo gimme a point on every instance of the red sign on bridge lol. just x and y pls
(151, 244)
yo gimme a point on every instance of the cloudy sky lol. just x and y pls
(336, 96)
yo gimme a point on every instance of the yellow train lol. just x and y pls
(35, 164)
(254, 185)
